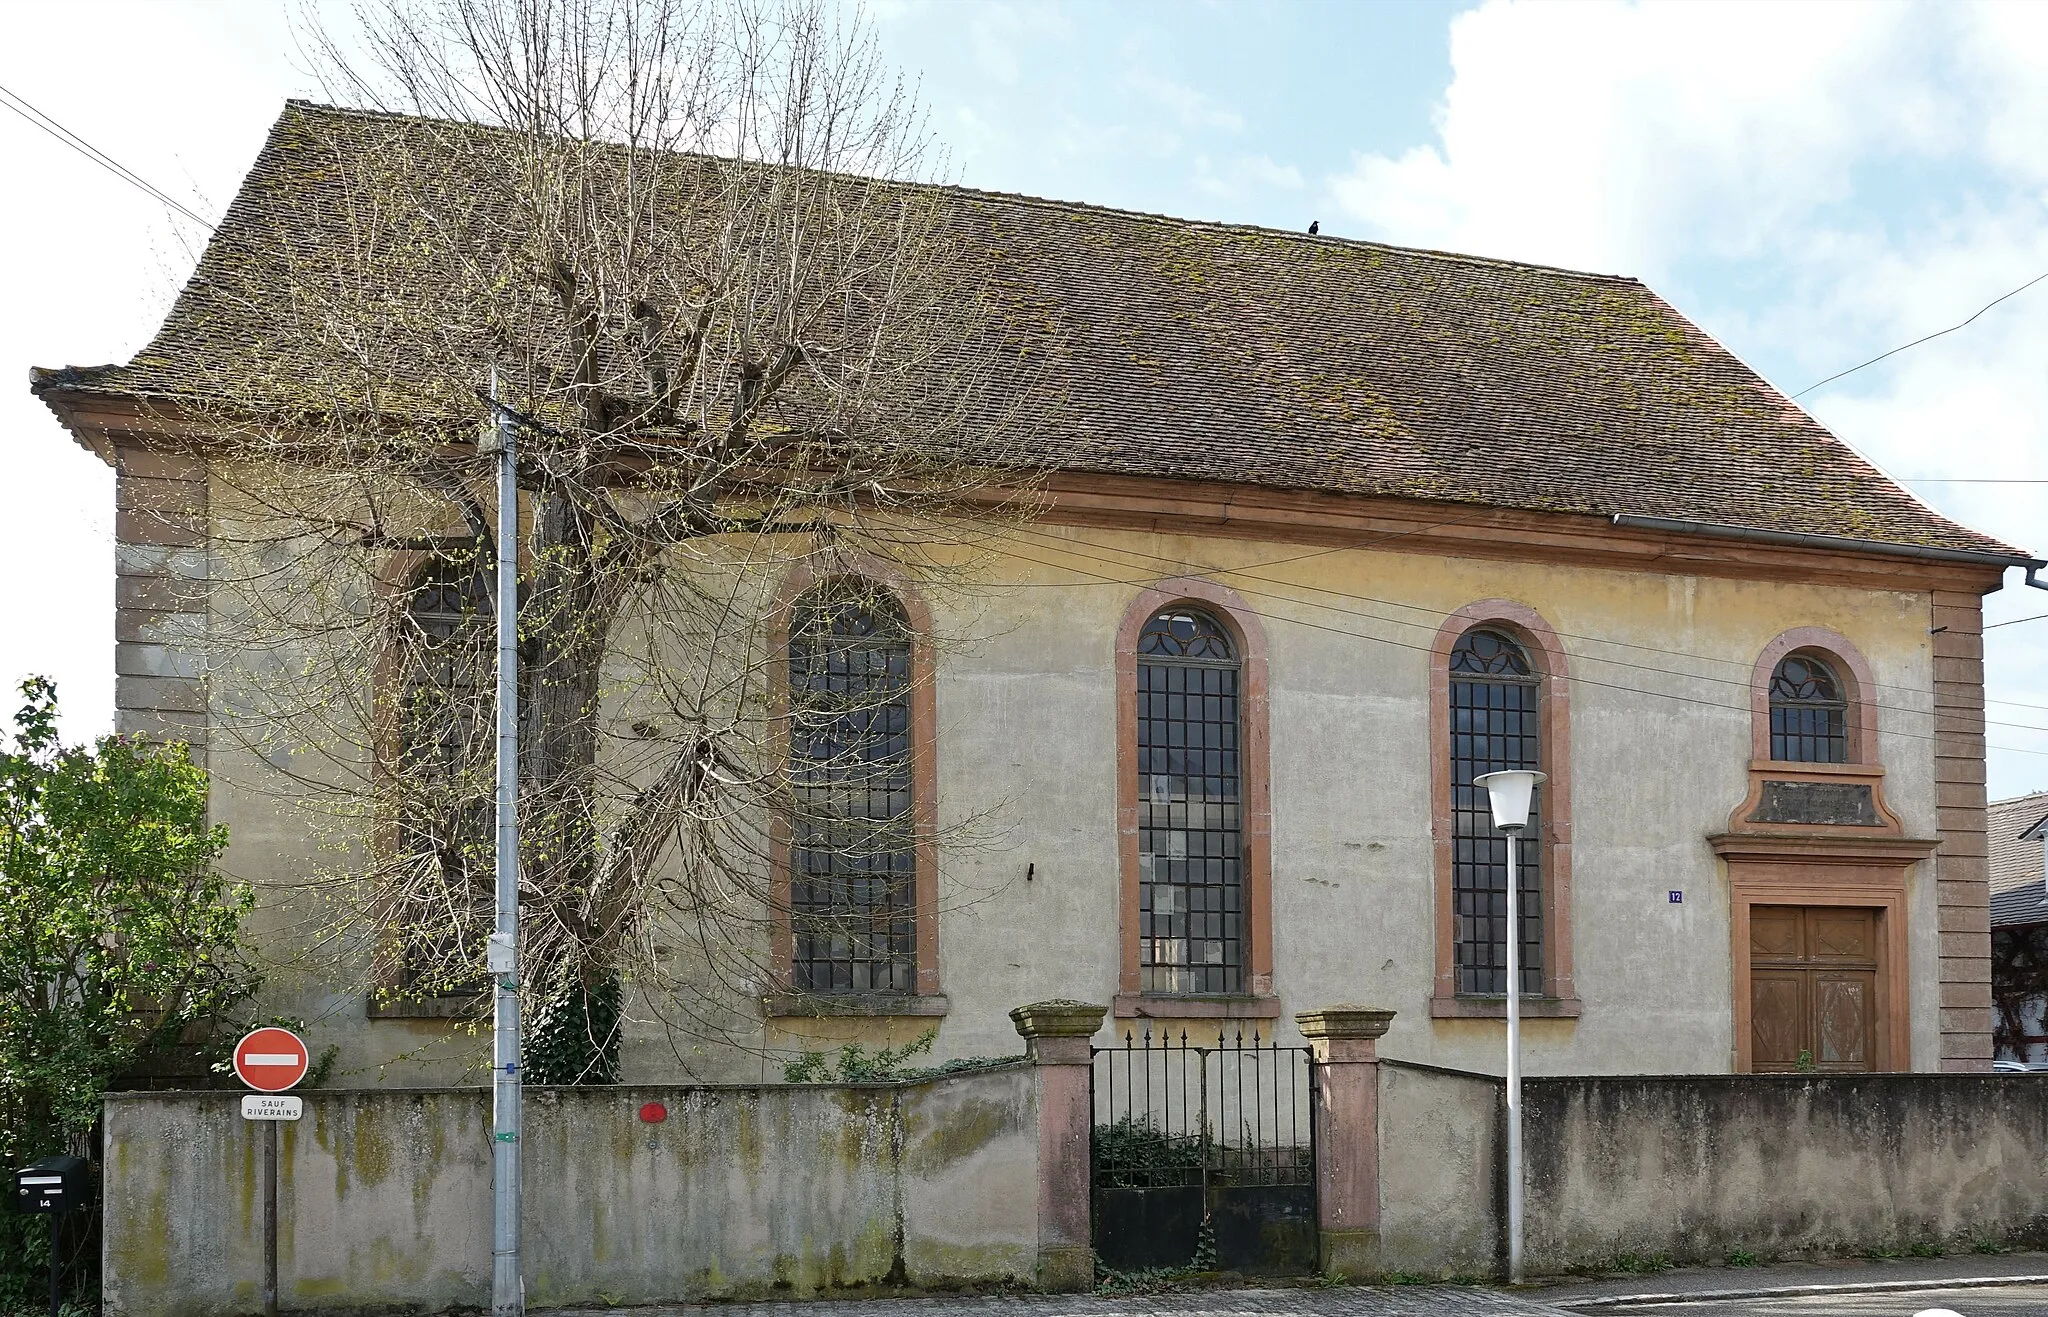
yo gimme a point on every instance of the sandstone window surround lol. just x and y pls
(1815, 832)
(1552, 840)
(1255, 997)
(796, 989)
(436, 734)
(1812, 696)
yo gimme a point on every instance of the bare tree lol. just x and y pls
(698, 243)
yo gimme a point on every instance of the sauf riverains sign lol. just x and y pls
(271, 1061)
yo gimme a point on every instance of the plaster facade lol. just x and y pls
(1024, 695)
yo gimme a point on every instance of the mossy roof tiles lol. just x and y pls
(1180, 349)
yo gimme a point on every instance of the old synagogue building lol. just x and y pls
(1323, 530)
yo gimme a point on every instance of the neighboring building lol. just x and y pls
(1364, 521)
(2019, 927)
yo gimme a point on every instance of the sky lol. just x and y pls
(1812, 184)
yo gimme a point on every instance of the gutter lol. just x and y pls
(1838, 543)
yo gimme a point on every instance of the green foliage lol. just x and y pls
(574, 1038)
(1637, 1264)
(1205, 1245)
(1133, 1153)
(1926, 1248)
(1986, 1245)
(857, 1065)
(119, 940)
(1626, 1264)
(117, 935)
(1146, 1280)
(1804, 1064)
(1741, 1257)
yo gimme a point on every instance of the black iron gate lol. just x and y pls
(1203, 1154)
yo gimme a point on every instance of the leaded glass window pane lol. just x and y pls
(446, 756)
(853, 843)
(1809, 716)
(1495, 725)
(1191, 897)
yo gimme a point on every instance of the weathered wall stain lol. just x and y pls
(1693, 1167)
(741, 1192)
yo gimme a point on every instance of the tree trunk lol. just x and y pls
(564, 629)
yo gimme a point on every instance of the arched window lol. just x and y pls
(1190, 791)
(450, 678)
(1809, 712)
(445, 778)
(853, 834)
(1495, 723)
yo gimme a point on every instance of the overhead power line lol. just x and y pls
(1989, 626)
(57, 130)
(1117, 577)
(1926, 338)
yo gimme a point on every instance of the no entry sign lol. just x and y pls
(271, 1060)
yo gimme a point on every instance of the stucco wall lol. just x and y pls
(385, 1195)
(1027, 764)
(1660, 736)
(1440, 1163)
(1695, 1166)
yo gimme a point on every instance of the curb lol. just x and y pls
(1793, 1291)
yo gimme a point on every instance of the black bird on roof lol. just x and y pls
(1315, 226)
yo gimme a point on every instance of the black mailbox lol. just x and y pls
(54, 1184)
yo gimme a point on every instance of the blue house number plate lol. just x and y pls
(1677, 898)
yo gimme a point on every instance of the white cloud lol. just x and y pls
(1814, 184)
(1245, 175)
(1194, 110)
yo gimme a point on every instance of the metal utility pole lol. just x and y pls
(508, 1286)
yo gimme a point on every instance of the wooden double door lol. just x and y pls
(1814, 1000)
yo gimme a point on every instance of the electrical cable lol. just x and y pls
(1435, 617)
(38, 119)
(1926, 338)
(1425, 649)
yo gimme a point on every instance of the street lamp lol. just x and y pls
(1509, 794)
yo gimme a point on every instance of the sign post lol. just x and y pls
(271, 1060)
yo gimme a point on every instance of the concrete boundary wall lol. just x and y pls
(1692, 1167)
(1441, 1170)
(384, 1199)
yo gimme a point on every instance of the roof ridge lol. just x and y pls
(1089, 207)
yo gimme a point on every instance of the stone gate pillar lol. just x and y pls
(1344, 1042)
(1056, 1035)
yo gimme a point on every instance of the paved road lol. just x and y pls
(1998, 1301)
(1338, 1301)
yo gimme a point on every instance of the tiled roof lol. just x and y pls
(2015, 857)
(1226, 352)
(2021, 905)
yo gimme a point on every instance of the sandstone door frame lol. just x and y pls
(1751, 883)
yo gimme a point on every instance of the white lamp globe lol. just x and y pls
(1509, 792)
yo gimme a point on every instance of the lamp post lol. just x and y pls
(1509, 792)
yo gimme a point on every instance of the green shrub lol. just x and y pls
(119, 942)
